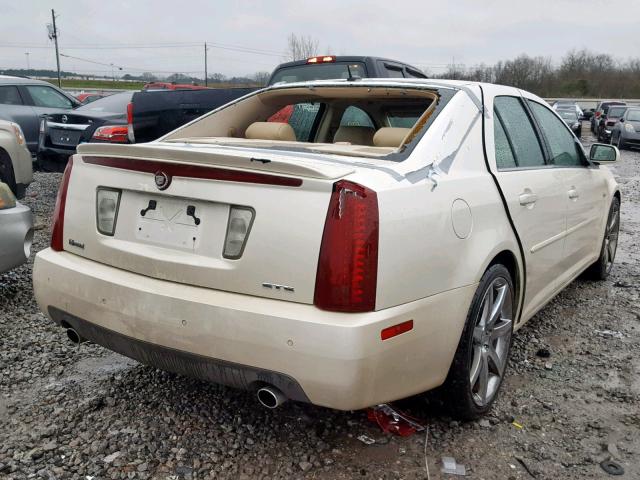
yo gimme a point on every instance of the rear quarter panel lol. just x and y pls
(421, 253)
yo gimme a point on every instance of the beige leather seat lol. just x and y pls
(355, 135)
(390, 136)
(270, 131)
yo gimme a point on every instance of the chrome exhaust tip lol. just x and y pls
(74, 336)
(270, 397)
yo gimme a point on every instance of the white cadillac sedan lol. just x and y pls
(344, 243)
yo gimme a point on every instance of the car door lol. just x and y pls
(14, 109)
(534, 194)
(585, 190)
(44, 100)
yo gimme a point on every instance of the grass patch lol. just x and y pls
(97, 84)
(119, 85)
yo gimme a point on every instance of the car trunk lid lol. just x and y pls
(178, 231)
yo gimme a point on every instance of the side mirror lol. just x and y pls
(622, 120)
(603, 153)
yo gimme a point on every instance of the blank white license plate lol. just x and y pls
(170, 222)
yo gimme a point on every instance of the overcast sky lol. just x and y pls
(426, 33)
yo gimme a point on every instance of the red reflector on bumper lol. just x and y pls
(395, 330)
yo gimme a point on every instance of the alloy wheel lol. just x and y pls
(491, 341)
(611, 236)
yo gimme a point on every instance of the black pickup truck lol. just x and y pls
(152, 113)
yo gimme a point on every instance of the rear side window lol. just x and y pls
(302, 118)
(319, 71)
(411, 73)
(519, 131)
(48, 97)
(392, 71)
(564, 150)
(504, 153)
(355, 117)
(9, 95)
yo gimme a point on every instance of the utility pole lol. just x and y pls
(54, 36)
(206, 81)
(27, 55)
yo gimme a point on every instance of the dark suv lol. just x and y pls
(24, 101)
(330, 67)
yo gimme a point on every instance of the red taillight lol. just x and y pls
(130, 134)
(348, 264)
(57, 232)
(114, 134)
(322, 59)
(598, 114)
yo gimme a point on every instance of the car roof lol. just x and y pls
(11, 80)
(347, 58)
(382, 81)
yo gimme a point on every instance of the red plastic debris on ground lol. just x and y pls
(394, 421)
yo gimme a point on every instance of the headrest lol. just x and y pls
(270, 131)
(355, 135)
(390, 136)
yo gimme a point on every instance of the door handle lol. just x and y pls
(528, 198)
(573, 194)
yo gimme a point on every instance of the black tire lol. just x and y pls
(458, 394)
(6, 172)
(620, 143)
(601, 268)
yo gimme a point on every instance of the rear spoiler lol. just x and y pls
(234, 158)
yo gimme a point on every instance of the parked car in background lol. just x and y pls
(16, 230)
(420, 233)
(103, 120)
(85, 98)
(16, 166)
(602, 109)
(568, 104)
(24, 101)
(157, 112)
(608, 120)
(588, 113)
(626, 132)
(572, 119)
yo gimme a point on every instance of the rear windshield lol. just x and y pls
(616, 111)
(320, 71)
(568, 114)
(606, 106)
(368, 121)
(116, 103)
(634, 116)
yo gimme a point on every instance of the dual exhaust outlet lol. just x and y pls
(75, 336)
(268, 396)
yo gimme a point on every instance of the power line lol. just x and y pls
(221, 46)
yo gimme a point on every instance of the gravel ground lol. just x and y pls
(84, 412)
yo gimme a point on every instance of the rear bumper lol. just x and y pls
(16, 229)
(329, 359)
